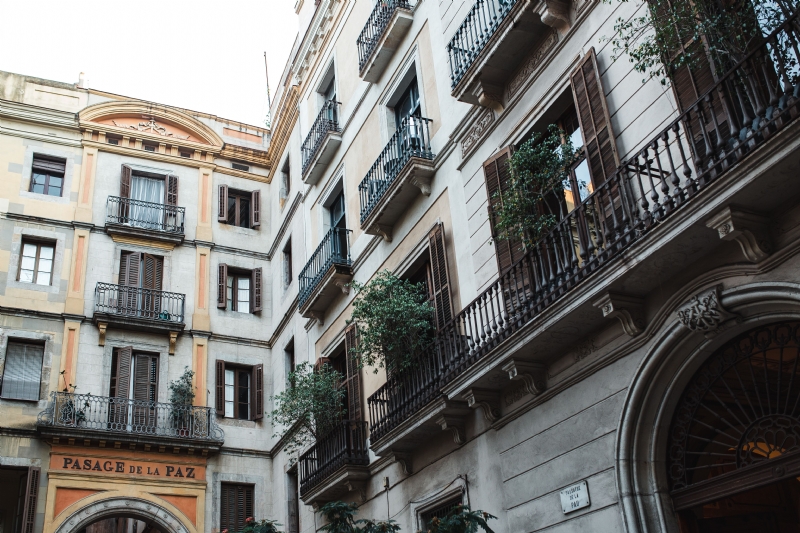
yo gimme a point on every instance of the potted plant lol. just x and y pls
(257, 526)
(461, 520)
(181, 396)
(340, 518)
(69, 412)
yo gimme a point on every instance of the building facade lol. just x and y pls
(631, 370)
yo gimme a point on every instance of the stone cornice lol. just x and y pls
(286, 114)
(38, 115)
(314, 37)
(251, 155)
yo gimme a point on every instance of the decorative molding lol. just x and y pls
(532, 64)
(101, 328)
(514, 393)
(173, 338)
(555, 13)
(136, 507)
(487, 400)
(476, 132)
(745, 227)
(533, 375)
(423, 183)
(151, 126)
(488, 95)
(344, 285)
(454, 424)
(627, 309)
(704, 312)
(384, 231)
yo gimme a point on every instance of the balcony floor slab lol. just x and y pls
(347, 479)
(127, 232)
(321, 160)
(389, 42)
(332, 284)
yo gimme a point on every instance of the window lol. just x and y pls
(36, 262)
(149, 147)
(239, 208)
(431, 271)
(113, 140)
(47, 175)
(240, 391)
(287, 264)
(292, 502)
(440, 511)
(184, 153)
(290, 362)
(286, 181)
(134, 375)
(22, 372)
(240, 166)
(408, 104)
(236, 506)
(238, 289)
(239, 293)
(21, 491)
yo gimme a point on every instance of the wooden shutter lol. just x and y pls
(124, 357)
(236, 505)
(498, 178)
(322, 361)
(219, 401)
(153, 272)
(354, 411)
(255, 289)
(31, 496)
(222, 214)
(258, 392)
(172, 189)
(440, 280)
(255, 209)
(590, 103)
(129, 269)
(222, 286)
(145, 378)
(125, 182)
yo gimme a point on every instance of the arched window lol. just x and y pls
(733, 457)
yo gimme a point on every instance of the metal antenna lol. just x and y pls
(268, 120)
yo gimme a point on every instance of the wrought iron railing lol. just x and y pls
(333, 250)
(755, 100)
(376, 24)
(474, 32)
(132, 417)
(412, 139)
(135, 302)
(345, 445)
(145, 215)
(327, 122)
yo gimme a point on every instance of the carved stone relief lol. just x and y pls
(704, 312)
(532, 63)
(476, 132)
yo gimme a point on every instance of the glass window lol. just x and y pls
(36, 263)
(239, 293)
(237, 393)
(408, 105)
(22, 372)
(47, 175)
(239, 209)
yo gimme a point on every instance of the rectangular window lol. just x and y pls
(240, 391)
(240, 166)
(290, 363)
(22, 373)
(237, 393)
(47, 175)
(187, 155)
(36, 262)
(239, 208)
(287, 264)
(292, 502)
(236, 506)
(239, 292)
(286, 181)
(149, 147)
(113, 140)
(440, 511)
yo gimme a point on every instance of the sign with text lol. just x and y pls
(575, 497)
(127, 467)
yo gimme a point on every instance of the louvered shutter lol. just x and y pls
(153, 272)
(31, 496)
(125, 182)
(354, 411)
(440, 289)
(258, 392)
(256, 283)
(222, 213)
(590, 103)
(497, 185)
(23, 371)
(119, 405)
(129, 269)
(145, 390)
(255, 209)
(322, 361)
(236, 506)
(49, 165)
(172, 189)
(222, 286)
(219, 399)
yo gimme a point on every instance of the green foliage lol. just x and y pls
(538, 171)
(181, 390)
(658, 42)
(341, 519)
(311, 407)
(258, 526)
(378, 526)
(462, 520)
(394, 319)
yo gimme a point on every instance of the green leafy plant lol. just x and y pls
(461, 520)
(538, 172)
(394, 319)
(181, 390)
(340, 518)
(310, 408)
(258, 526)
(378, 526)
(70, 410)
(673, 34)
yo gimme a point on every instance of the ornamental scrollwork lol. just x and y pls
(704, 312)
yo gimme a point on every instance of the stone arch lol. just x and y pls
(676, 354)
(126, 507)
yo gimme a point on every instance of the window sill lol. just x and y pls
(27, 400)
(235, 422)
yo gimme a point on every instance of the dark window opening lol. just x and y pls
(440, 511)
(408, 104)
(236, 506)
(187, 155)
(240, 166)
(149, 147)
(239, 291)
(238, 208)
(238, 386)
(113, 140)
(47, 175)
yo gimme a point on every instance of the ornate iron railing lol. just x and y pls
(345, 445)
(474, 32)
(131, 417)
(135, 302)
(412, 139)
(145, 215)
(376, 24)
(333, 250)
(327, 122)
(745, 108)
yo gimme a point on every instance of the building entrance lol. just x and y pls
(120, 525)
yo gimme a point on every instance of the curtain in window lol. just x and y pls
(23, 371)
(147, 190)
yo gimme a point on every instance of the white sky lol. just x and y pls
(202, 55)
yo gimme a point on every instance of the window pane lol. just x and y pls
(43, 278)
(231, 209)
(54, 186)
(229, 393)
(244, 395)
(29, 250)
(583, 179)
(243, 295)
(54, 191)
(28, 263)
(26, 276)
(23, 370)
(46, 252)
(37, 182)
(230, 294)
(244, 212)
(45, 266)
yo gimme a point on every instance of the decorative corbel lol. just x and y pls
(533, 375)
(423, 183)
(316, 315)
(627, 309)
(455, 424)
(704, 312)
(403, 459)
(173, 338)
(555, 13)
(489, 96)
(384, 231)
(745, 227)
(344, 285)
(359, 487)
(101, 327)
(487, 400)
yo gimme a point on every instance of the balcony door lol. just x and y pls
(146, 199)
(140, 280)
(133, 389)
(338, 225)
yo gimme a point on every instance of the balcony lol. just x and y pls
(336, 464)
(387, 25)
(489, 46)
(129, 217)
(403, 170)
(326, 274)
(139, 309)
(115, 420)
(321, 142)
(736, 145)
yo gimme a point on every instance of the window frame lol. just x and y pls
(27, 343)
(233, 299)
(48, 175)
(237, 196)
(243, 167)
(235, 368)
(286, 264)
(39, 244)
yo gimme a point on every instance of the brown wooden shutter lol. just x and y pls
(354, 411)
(236, 505)
(124, 357)
(222, 214)
(258, 392)
(322, 361)
(498, 178)
(31, 497)
(222, 286)
(590, 103)
(440, 279)
(256, 283)
(255, 209)
(125, 182)
(219, 401)
(129, 269)
(153, 272)
(172, 189)
(145, 378)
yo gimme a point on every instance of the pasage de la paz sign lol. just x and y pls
(113, 466)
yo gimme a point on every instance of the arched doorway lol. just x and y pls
(733, 456)
(122, 515)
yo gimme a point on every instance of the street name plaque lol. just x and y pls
(575, 497)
